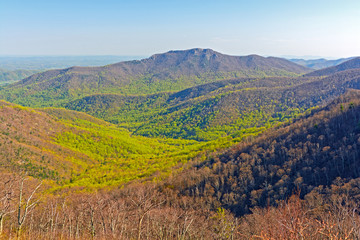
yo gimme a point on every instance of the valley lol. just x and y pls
(219, 136)
(146, 134)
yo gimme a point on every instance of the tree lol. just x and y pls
(26, 204)
(6, 196)
(144, 200)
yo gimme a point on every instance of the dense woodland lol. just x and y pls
(283, 178)
(183, 145)
(222, 108)
(308, 156)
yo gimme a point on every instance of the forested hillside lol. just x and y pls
(312, 156)
(73, 149)
(223, 108)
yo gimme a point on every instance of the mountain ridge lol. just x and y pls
(171, 71)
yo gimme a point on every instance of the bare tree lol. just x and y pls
(144, 200)
(7, 194)
(26, 204)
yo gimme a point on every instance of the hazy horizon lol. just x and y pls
(137, 57)
(142, 28)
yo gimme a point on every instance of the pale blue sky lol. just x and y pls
(143, 27)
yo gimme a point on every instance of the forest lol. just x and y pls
(183, 145)
(298, 181)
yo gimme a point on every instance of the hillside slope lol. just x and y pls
(75, 149)
(27, 144)
(309, 155)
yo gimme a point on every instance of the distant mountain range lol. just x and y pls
(319, 63)
(171, 71)
(354, 63)
(10, 76)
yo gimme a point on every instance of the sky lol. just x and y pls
(311, 28)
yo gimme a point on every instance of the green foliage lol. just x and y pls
(202, 113)
(116, 156)
(75, 149)
(119, 157)
(163, 117)
(55, 88)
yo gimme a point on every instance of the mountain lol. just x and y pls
(171, 71)
(199, 61)
(351, 64)
(196, 94)
(319, 63)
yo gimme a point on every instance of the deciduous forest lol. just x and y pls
(190, 144)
